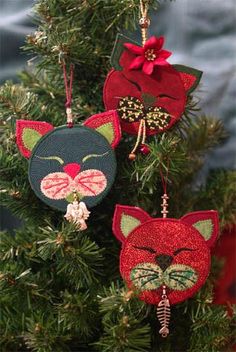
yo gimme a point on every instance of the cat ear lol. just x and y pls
(206, 222)
(28, 133)
(190, 77)
(118, 50)
(126, 219)
(106, 123)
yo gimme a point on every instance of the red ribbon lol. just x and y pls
(68, 87)
(164, 179)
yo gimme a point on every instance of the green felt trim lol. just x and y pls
(118, 50)
(107, 131)
(128, 223)
(30, 137)
(190, 71)
(205, 227)
(148, 99)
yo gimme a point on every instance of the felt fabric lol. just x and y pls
(165, 88)
(59, 185)
(189, 76)
(71, 160)
(107, 124)
(148, 56)
(76, 159)
(164, 85)
(118, 50)
(206, 222)
(158, 252)
(28, 133)
(133, 212)
(225, 288)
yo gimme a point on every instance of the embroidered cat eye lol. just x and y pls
(151, 250)
(183, 249)
(148, 249)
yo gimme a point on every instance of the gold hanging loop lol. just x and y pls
(144, 21)
(132, 155)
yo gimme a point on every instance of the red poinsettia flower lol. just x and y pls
(148, 56)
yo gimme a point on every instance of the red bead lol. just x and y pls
(70, 124)
(132, 156)
(144, 149)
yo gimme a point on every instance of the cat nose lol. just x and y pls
(163, 260)
(72, 169)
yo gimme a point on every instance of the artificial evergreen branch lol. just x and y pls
(60, 289)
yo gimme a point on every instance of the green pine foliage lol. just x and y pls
(60, 288)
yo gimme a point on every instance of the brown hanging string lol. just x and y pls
(141, 132)
(164, 180)
(144, 23)
(68, 90)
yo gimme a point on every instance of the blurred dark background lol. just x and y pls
(200, 33)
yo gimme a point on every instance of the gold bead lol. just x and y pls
(144, 22)
(132, 156)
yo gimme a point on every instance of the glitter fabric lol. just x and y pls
(165, 251)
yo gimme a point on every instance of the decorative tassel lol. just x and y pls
(77, 213)
(144, 149)
(163, 313)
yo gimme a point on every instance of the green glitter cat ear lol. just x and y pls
(126, 219)
(206, 223)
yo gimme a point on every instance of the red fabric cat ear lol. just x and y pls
(206, 222)
(126, 219)
(190, 77)
(106, 123)
(28, 133)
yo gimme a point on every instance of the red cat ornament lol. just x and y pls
(142, 85)
(149, 94)
(166, 260)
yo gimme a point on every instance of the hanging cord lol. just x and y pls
(144, 21)
(164, 180)
(141, 133)
(68, 89)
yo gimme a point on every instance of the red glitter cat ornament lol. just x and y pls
(165, 260)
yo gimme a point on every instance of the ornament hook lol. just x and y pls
(68, 89)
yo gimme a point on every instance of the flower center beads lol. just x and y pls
(150, 55)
